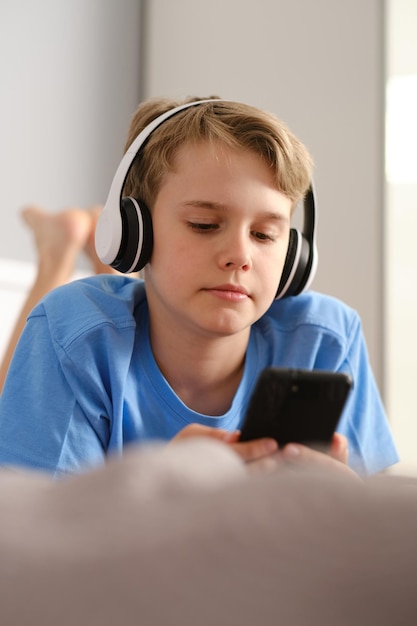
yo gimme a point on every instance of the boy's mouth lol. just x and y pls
(230, 292)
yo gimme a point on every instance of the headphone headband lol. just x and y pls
(106, 243)
(124, 236)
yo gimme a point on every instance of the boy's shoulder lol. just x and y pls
(313, 309)
(88, 302)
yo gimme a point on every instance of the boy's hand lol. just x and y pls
(263, 454)
(335, 458)
(247, 450)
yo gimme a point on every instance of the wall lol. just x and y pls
(319, 66)
(70, 76)
(401, 225)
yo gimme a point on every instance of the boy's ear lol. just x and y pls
(301, 260)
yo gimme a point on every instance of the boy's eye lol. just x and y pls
(202, 228)
(262, 236)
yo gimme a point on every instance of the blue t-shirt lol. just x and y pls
(83, 382)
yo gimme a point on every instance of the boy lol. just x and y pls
(112, 360)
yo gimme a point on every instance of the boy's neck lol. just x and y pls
(204, 373)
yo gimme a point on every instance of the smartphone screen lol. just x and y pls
(295, 405)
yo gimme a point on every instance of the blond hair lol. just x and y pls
(233, 124)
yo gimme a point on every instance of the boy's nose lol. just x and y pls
(236, 254)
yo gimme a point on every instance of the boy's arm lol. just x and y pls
(364, 421)
(42, 425)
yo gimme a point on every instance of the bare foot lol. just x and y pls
(59, 238)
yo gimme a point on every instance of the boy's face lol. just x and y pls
(221, 233)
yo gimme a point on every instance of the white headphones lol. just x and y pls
(124, 236)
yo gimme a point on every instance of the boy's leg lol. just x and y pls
(59, 238)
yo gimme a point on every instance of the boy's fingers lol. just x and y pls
(255, 449)
(297, 453)
(199, 430)
(339, 448)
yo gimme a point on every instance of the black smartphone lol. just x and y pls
(295, 405)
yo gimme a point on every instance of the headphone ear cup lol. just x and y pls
(137, 236)
(296, 267)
